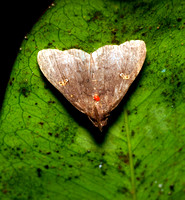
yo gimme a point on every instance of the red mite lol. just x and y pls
(96, 97)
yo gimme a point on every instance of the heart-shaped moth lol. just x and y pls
(94, 83)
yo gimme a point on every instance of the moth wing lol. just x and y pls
(116, 67)
(68, 71)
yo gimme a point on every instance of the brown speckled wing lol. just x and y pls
(94, 83)
(115, 69)
(69, 72)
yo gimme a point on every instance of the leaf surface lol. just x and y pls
(49, 150)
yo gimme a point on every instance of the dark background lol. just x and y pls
(17, 19)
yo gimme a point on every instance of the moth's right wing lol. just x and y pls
(116, 67)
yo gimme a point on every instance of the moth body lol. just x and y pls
(94, 83)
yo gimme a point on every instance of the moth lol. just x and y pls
(94, 83)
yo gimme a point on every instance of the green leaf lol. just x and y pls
(49, 150)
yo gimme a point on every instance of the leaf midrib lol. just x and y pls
(133, 186)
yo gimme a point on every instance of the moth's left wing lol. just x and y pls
(69, 72)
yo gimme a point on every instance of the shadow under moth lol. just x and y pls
(94, 83)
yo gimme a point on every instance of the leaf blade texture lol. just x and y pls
(49, 150)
